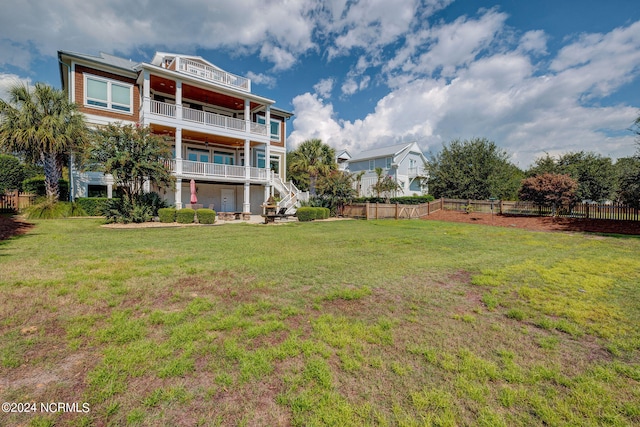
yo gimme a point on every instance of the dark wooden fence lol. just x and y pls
(14, 201)
(398, 211)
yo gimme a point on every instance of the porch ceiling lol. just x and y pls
(200, 137)
(168, 86)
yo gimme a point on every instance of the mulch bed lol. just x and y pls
(540, 223)
(10, 226)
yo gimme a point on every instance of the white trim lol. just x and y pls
(271, 120)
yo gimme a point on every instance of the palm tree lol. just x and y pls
(314, 158)
(44, 127)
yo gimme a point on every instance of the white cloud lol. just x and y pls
(262, 79)
(324, 87)
(502, 95)
(279, 30)
(9, 80)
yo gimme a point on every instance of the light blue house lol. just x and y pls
(404, 163)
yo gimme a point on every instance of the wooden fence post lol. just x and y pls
(367, 211)
(396, 211)
(376, 210)
(501, 207)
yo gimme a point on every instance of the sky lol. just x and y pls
(535, 76)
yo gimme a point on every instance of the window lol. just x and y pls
(223, 158)
(196, 155)
(388, 162)
(372, 164)
(260, 159)
(274, 163)
(274, 129)
(108, 94)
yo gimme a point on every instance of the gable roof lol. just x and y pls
(103, 58)
(388, 151)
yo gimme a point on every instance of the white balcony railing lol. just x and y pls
(205, 118)
(414, 172)
(215, 170)
(214, 75)
(163, 109)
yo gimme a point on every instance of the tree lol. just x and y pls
(385, 185)
(11, 173)
(45, 128)
(595, 174)
(132, 155)
(313, 159)
(549, 189)
(473, 169)
(337, 189)
(628, 178)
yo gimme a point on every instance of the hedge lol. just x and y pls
(167, 215)
(311, 213)
(36, 185)
(185, 216)
(11, 173)
(93, 206)
(206, 216)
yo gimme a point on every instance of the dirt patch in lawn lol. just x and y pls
(10, 226)
(540, 223)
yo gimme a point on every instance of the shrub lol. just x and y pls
(167, 214)
(154, 201)
(11, 173)
(36, 186)
(48, 209)
(185, 216)
(323, 213)
(206, 216)
(93, 206)
(306, 214)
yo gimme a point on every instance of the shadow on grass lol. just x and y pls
(12, 227)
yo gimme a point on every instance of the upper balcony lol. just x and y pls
(205, 120)
(213, 75)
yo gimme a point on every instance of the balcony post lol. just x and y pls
(247, 116)
(146, 96)
(179, 99)
(178, 151)
(247, 159)
(179, 193)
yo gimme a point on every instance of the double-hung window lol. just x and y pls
(109, 94)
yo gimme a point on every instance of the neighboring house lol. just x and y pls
(405, 163)
(228, 139)
(342, 159)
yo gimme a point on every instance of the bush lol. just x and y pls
(123, 211)
(309, 213)
(154, 201)
(93, 206)
(48, 209)
(322, 213)
(206, 216)
(306, 214)
(11, 173)
(36, 186)
(185, 216)
(167, 214)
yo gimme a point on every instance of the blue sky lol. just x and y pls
(534, 76)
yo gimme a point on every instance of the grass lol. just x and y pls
(391, 323)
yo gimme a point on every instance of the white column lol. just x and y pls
(267, 149)
(146, 96)
(179, 99)
(247, 115)
(179, 193)
(179, 151)
(246, 203)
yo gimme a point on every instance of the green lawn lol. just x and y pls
(406, 323)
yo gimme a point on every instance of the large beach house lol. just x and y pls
(231, 141)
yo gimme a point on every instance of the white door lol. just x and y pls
(227, 200)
